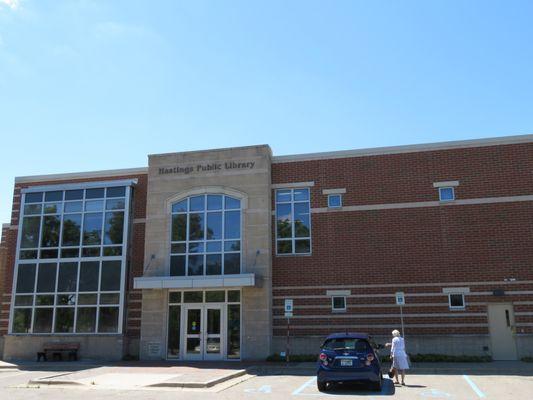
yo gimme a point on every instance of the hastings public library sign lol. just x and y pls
(210, 167)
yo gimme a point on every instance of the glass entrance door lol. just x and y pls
(204, 334)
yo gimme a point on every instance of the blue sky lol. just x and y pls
(88, 85)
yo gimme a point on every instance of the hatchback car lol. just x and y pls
(348, 357)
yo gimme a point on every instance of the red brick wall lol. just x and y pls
(136, 256)
(398, 249)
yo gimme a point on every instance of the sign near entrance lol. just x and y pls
(400, 299)
(288, 308)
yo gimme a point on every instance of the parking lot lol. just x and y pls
(287, 385)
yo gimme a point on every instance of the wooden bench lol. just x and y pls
(58, 349)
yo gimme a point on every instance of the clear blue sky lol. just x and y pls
(88, 85)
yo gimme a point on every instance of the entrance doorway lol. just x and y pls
(204, 325)
(502, 331)
(204, 332)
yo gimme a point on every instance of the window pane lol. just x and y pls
(92, 228)
(180, 206)
(197, 203)
(284, 246)
(232, 203)
(89, 276)
(456, 300)
(232, 263)
(94, 193)
(26, 278)
(49, 253)
(22, 320)
(30, 232)
(193, 297)
(232, 245)
(26, 300)
(179, 227)
(44, 300)
(71, 229)
(33, 197)
(283, 196)
(110, 275)
(74, 194)
(51, 229)
(234, 331)
(108, 320)
(70, 253)
(334, 200)
(197, 247)
(446, 193)
(216, 296)
(42, 321)
(115, 204)
(302, 246)
(90, 252)
(232, 225)
(284, 218)
(28, 254)
(177, 266)
(53, 196)
(234, 296)
(174, 297)
(196, 226)
(214, 202)
(73, 206)
(213, 264)
(87, 299)
(177, 248)
(68, 276)
(109, 298)
(114, 227)
(339, 303)
(196, 265)
(46, 278)
(301, 219)
(301, 194)
(112, 251)
(52, 208)
(214, 226)
(117, 191)
(174, 315)
(66, 299)
(94, 205)
(214, 247)
(30, 209)
(64, 320)
(86, 320)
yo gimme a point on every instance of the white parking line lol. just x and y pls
(474, 387)
(302, 388)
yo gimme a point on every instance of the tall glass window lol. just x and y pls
(71, 261)
(206, 236)
(293, 221)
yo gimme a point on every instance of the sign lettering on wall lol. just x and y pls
(209, 167)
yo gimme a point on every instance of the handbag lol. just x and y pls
(392, 372)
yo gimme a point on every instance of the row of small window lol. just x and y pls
(208, 296)
(293, 221)
(77, 194)
(210, 202)
(74, 207)
(68, 230)
(86, 276)
(455, 301)
(105, 251)
(66, 320)
(205, 264)
(67, 299)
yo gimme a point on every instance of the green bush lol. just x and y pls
(527, 359)
(386, 358)
(293, 358)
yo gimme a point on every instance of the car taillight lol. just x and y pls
(324, 358)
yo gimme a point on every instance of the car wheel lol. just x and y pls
(322, 386)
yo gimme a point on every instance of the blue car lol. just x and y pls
(348, 357)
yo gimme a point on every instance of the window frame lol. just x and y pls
(463, 307)
(441, 189)
(127, 184)
(293, 238)
(187, 196)
(333, 308)
(330, 196)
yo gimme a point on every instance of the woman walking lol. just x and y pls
(398, 356)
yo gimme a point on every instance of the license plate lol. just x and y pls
(346, 363)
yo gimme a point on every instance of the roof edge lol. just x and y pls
(410, 148)
(81, 175)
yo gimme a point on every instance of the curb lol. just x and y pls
(199, 385)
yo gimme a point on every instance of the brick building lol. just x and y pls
(194, 256)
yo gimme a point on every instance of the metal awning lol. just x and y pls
(196, 282)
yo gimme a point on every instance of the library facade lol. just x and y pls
(194, 256)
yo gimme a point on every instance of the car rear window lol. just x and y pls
(359, 345)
